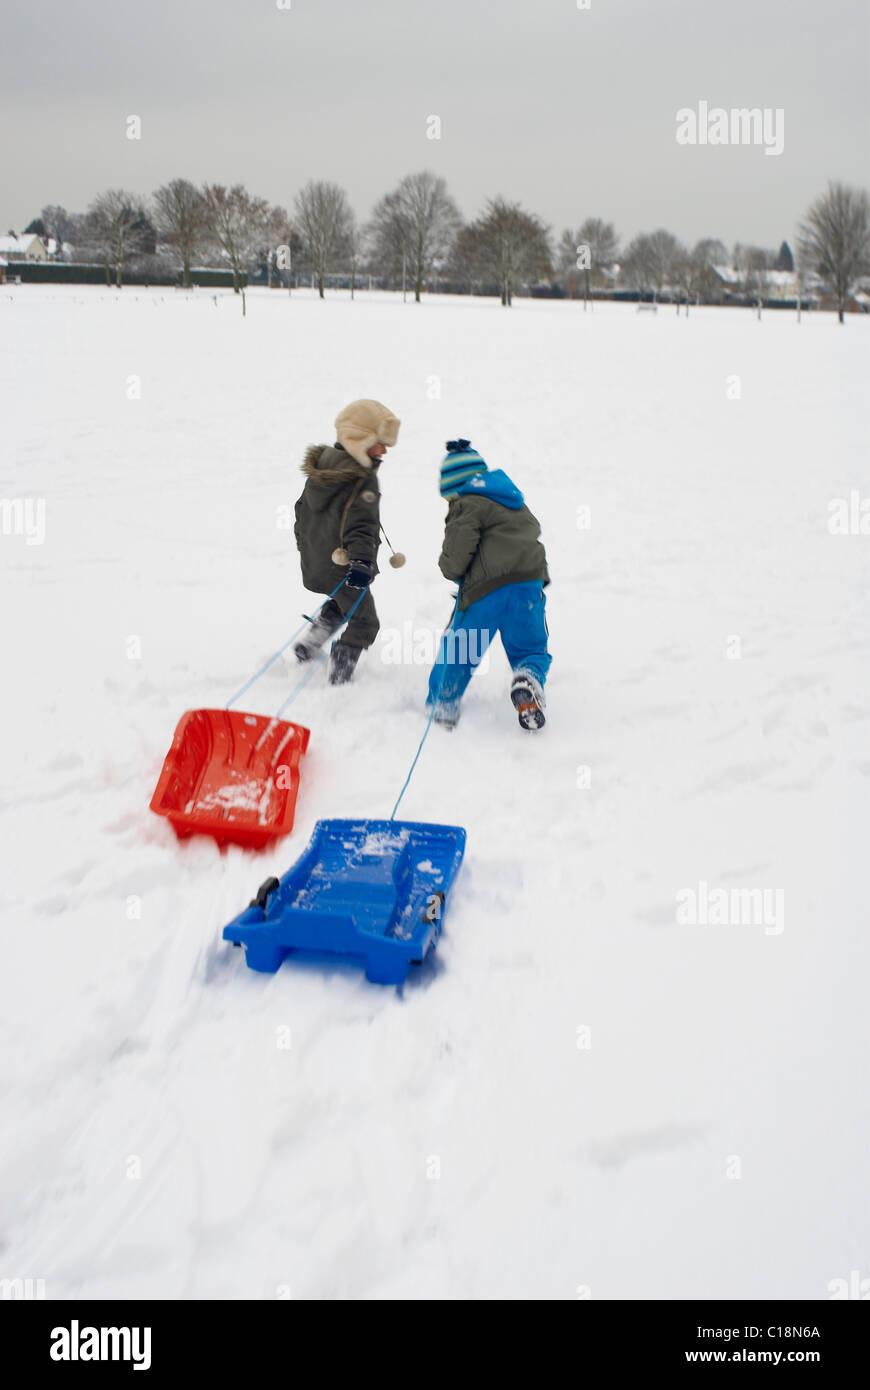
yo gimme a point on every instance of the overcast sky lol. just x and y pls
(572, 112)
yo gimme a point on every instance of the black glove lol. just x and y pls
(359, 574)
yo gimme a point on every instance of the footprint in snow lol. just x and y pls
(615, 1153)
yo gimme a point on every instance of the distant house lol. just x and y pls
(778, 285)
(727, 274)
(861, 295)
(2, 271)
(782, 284)
(728, 279)
(857, 301)
(28, 247)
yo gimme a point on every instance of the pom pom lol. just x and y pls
(340, 556)
(397, 560)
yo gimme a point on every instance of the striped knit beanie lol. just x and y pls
(461, 463)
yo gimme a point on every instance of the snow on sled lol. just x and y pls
(231, 775)
(370, 890)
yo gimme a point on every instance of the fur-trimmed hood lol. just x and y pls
(330, 466)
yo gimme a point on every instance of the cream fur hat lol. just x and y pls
(361, 425)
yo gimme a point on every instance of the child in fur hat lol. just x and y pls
(337, 532)
(492, 549)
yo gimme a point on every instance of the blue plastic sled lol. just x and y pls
(367, 889)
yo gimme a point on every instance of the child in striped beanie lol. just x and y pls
(492, 549)
(461, 464)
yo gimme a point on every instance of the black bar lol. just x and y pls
(248, 1338)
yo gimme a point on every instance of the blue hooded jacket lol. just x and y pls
(497, 486)
(490, 538)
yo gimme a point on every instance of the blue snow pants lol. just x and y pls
(517, 612)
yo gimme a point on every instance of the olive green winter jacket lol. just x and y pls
(339, 508)
(488, 544)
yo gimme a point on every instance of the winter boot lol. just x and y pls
(527, 695)
(342, 663)
(321, 629)
(446, 714)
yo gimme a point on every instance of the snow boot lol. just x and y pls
(527, 696)
(342, 663)
(322, 627)
(446, 715)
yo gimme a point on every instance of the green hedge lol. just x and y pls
(68, 273)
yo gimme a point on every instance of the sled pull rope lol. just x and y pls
(444, 635)
(300, 686)
(274, 657)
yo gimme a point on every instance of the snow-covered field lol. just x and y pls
(583, 1095)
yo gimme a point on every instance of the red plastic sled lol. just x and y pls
(231, 775)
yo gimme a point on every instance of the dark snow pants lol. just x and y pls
(363, 627)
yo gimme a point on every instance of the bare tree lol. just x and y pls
(711, 250)
(651, 261)
(323, 219)
(58, 224)
(507, 246)
(420, 220)
(758, 267)
(707, 253)
(753, 265)
(117, 226)
(603, 248)
(277, 231)
(354, 250)
(389, 236)
(566, 256)
(638, 265)
(181, 220)
(740, 261)
(835, 239)
(237, 222)
(666, 252)
(691, 275)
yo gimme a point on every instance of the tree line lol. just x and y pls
(416, 232)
